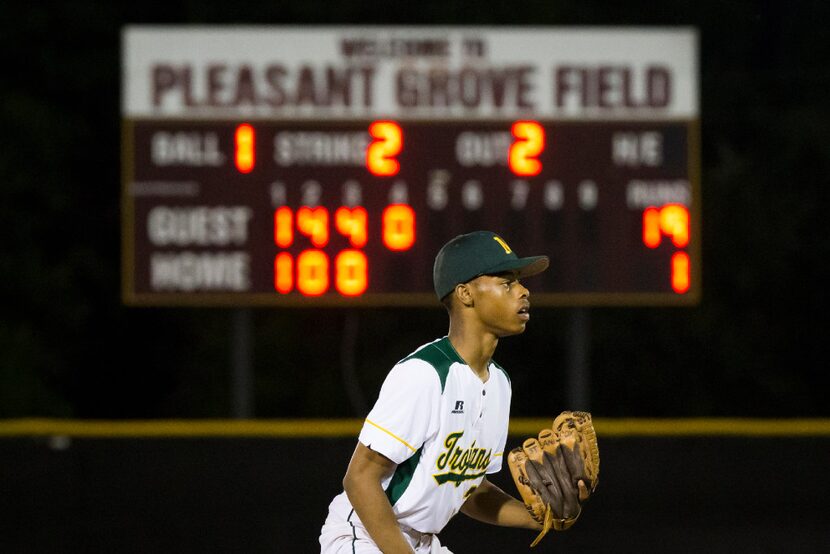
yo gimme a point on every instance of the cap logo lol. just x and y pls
(503, 244)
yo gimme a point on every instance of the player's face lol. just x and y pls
(501, 303)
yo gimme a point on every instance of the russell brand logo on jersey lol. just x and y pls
(459, 407)
(459, 461)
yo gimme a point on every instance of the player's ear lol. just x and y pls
(464, 294)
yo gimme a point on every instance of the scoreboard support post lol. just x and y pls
(348, 368)
(579, 360)
(241, 378)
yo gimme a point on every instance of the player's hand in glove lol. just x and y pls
(557, 472)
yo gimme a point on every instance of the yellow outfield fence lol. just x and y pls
(342, 428)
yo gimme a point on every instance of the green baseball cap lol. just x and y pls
(479, 253)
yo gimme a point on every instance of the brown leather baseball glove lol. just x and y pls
(557, 472)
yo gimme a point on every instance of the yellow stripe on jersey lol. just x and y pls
(391, 434)
(497, 454)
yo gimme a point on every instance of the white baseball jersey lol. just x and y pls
(445, 429)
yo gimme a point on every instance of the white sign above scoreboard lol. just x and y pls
(428, 73)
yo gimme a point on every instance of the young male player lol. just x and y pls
(440, 422)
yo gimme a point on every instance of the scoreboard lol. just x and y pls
(326, 166)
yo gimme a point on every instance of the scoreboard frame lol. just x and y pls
(132, 258)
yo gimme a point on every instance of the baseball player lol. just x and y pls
(440, 422)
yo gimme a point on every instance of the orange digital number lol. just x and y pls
(283, 227)
(674, 222)
(651, 227)
(387, 142)
(351, 273)
(283, 273)
(529, 144)
(244, 148)
(312, 272)
(398, 227)
(314, 223)
(680, 272)
(351, 223)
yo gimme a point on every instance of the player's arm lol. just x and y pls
(490, 504)
(362, 484)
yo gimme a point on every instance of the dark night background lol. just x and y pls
(754, 346)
